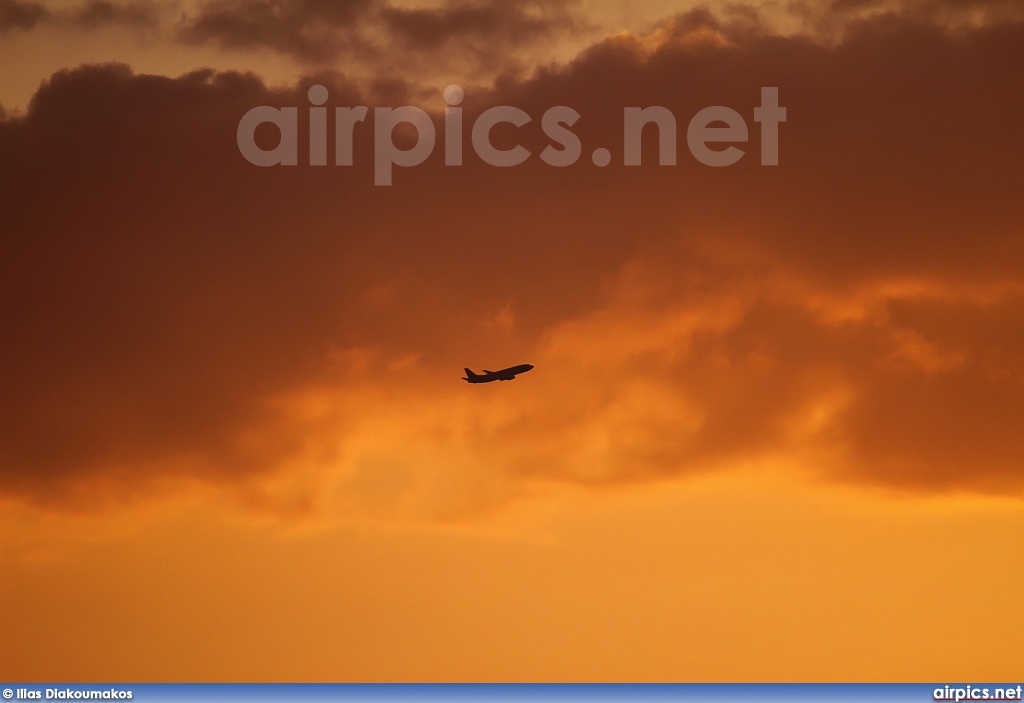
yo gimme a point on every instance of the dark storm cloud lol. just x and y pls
(504, 22)
(314, 29)
(320, 30)
(15, 14)
(111, 298)
(860, 302)
(98, 13)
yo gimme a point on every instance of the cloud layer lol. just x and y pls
(20, 15)
(169, 310)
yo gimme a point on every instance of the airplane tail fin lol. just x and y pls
(469, 375)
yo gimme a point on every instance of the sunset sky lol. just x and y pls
(775, 428)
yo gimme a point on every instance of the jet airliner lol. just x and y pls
(503, 375)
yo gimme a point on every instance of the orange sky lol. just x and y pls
(774, 431)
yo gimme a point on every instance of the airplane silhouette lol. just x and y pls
(503, 375)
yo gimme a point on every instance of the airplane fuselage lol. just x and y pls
(502, 375)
